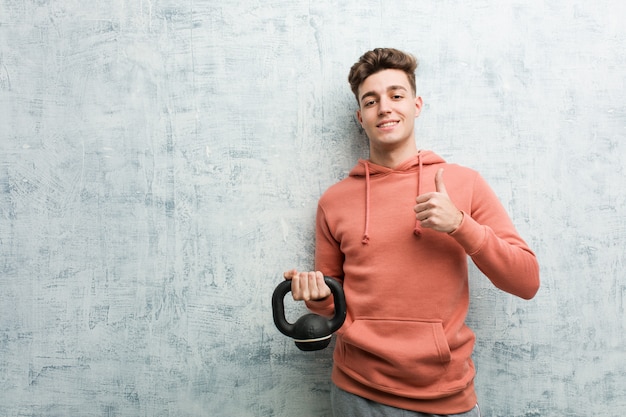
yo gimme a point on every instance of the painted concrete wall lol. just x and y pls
(160, 163)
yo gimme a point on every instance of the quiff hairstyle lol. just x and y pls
(380, 59)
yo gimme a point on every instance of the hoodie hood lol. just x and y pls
(365, 168)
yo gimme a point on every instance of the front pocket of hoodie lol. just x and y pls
(394, 355)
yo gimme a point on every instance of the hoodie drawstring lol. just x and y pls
(418, 226)
(366, 237)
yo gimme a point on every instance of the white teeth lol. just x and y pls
(387, 124)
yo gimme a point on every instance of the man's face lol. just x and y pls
(387, 109)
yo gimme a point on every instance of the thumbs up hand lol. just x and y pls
(435, 210)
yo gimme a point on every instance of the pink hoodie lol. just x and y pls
(405, 342)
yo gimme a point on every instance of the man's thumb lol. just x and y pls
(439, 185)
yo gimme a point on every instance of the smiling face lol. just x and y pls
(387, 111)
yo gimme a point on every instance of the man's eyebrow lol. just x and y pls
(390, 88)
(369, 93)
(396, 87)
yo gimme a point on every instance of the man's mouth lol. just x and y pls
(388, 123)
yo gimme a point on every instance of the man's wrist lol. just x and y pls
(458, 224)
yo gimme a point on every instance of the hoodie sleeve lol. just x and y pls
(328, 260)
(489, 237)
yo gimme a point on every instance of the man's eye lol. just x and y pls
(369, 103)
(397, 97)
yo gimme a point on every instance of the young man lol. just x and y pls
(397, 233)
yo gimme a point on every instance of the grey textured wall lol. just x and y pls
(160, 163)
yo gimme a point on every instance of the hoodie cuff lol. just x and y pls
(469, 234)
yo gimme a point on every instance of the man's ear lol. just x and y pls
(419, 103)
(359, 118)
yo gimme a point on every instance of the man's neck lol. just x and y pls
(391, 159)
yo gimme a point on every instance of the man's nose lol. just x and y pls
(384, 106)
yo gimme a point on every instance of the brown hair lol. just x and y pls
(380, 59)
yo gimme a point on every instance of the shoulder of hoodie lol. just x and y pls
(453, 173)
(457, 171)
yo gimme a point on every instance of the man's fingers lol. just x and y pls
(311, 283)
(307, 286)
(318, 287)
(296, 292)
(288, 275)
(302, 286)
